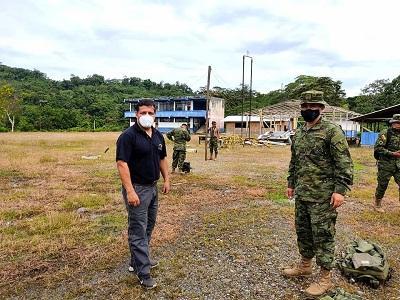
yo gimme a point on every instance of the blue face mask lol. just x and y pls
(309, 115)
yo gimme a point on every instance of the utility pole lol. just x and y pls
(241, 125)
(207, 107)
(251, 86)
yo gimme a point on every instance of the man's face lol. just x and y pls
(313, 106)
(396, 125)
(214, 125)
(145, 110)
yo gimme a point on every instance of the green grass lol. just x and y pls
(48, 159)
(244, 181)
(19, 214)
(86, 200)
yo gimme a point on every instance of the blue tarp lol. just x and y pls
(350, 133)
(369, 138)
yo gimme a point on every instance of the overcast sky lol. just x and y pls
(356, 42)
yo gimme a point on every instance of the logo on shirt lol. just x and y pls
(159, 147)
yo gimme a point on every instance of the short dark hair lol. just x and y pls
(145, 102)
(213, 122)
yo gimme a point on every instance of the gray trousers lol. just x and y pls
(141, 221)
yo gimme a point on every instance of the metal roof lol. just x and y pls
(166, 99)
(238, 118)
(292, 108)
(379, 115)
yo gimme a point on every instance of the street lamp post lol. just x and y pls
(250, 95)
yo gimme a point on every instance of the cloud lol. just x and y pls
(176, 40)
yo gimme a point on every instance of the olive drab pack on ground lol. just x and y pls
(366, 262)
(340, 294)
(389, 133)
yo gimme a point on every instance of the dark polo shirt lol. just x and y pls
(142, 153)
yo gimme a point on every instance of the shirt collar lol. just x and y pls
(316, 126)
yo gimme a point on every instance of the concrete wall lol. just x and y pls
(255, 128)
(216, 111)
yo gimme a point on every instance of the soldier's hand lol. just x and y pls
(337, 200)
(166, 187)
(396, 154)
(290, 193)
(133, 198)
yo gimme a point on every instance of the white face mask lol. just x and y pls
(146, 121)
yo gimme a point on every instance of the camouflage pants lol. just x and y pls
(315, 228)
(178, 158)
(213, 145)
(386, 169)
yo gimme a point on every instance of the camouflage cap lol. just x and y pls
(395, 119)
(312, 97)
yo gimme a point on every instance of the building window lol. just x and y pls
(165, 106)
(181, 105)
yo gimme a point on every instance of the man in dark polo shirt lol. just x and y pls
(141, 156)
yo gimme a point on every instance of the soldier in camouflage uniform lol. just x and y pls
(387, 149)
(320, 173)
(179, 136)
(214, 137)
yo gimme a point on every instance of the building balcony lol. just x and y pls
(173, 114)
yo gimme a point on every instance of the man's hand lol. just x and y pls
(396, 154)
(337, 200)
(166, 187)
(290, 193)
(133, 198)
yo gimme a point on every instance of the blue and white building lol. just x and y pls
(173, 111)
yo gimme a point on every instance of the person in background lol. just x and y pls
(179, 136)
(141, 155)
(387, 151)
(214, 138)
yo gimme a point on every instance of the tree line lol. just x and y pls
(30, 101)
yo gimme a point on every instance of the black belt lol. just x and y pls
(146, 184)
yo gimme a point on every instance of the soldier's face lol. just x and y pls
(396, 125)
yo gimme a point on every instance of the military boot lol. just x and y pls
(303, 268)
(322, 286)
(378, 205)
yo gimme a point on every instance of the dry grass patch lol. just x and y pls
(222, 228)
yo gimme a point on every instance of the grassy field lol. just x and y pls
(215, 234)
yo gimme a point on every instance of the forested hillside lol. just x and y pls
(40, 103)
(30, 101)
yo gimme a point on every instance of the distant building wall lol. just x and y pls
(216, 111)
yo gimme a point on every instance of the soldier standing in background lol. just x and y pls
(179, 136)
(320, 173)
(387, 151)
(214, 138)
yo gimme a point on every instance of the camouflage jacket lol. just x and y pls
(386, 151)
(214, 132)
(180, 136)
(320, 163)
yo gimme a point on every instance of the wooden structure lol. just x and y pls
(285, 116)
